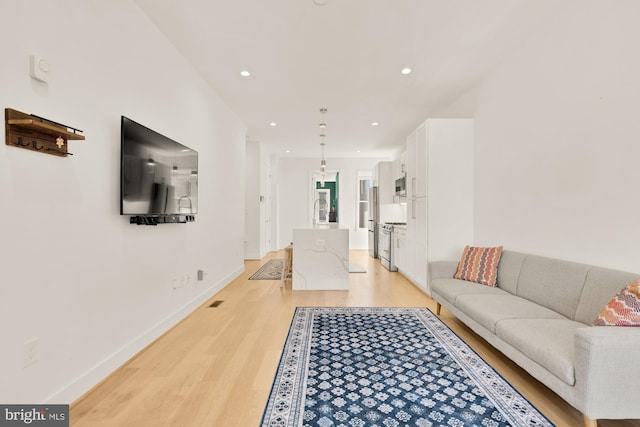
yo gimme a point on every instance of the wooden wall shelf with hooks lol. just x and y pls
(36, 133)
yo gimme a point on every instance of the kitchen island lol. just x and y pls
(320, 258)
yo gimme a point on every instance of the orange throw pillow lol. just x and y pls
(623, 309)
(479, 265)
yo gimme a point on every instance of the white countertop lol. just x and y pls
(322, 226)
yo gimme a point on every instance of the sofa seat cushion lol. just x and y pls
(488, 310)
(450, 289)
(548, 342)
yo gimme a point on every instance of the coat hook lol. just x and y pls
(34, 144)
(59, 151)
(20, 143)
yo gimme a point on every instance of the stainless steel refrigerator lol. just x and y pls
(374, 216)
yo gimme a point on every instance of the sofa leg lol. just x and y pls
(438, 307)
(588, 422)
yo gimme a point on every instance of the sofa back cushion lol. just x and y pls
(553, 283)
(601, 285)
(509, 270)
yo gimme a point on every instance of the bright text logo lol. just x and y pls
(36, 415)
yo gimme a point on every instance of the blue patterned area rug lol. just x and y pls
(387, 367)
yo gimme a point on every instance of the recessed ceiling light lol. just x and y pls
(357, 151)
(406, 71)
(287, 151)
(245, 73)
(272, 124)
(374, 124)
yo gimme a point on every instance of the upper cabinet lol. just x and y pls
(384, 179)
(410, 164)
(399, 167)
(417, 161)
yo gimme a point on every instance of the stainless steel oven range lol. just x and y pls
(385, 246)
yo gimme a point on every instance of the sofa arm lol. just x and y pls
(607, 376)
(442, 269)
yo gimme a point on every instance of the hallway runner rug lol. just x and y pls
(387, 367)
(271, 270)
(356, 268)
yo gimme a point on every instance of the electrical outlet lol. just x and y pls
(30, 352)
(200, 275)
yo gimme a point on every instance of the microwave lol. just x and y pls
(401, 186)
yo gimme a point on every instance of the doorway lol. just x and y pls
(325, 196)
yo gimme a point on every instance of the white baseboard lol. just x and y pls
(255, 255)
(93, 376)
(416, 282)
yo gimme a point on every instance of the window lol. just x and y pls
(365, 182)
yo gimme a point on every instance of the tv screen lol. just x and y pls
(159, 176)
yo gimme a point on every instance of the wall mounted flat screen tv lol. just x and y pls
(159, 176)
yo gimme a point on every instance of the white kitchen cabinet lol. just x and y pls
(422, 161)
(400, 248)
(385, 181)
(439, 161)
(395, 169)
(399, 168)
(411, 164)
(416, 256)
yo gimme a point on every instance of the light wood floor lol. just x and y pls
(216, 367)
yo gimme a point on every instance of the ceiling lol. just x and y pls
(345, 56)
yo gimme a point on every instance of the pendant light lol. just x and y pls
(323, 162)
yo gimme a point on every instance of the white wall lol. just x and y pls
(94, 289)
(253, 217)
(558, 139)
(294, 184)
(274, 205)
(258, 209)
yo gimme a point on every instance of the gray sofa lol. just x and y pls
(540, 316)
